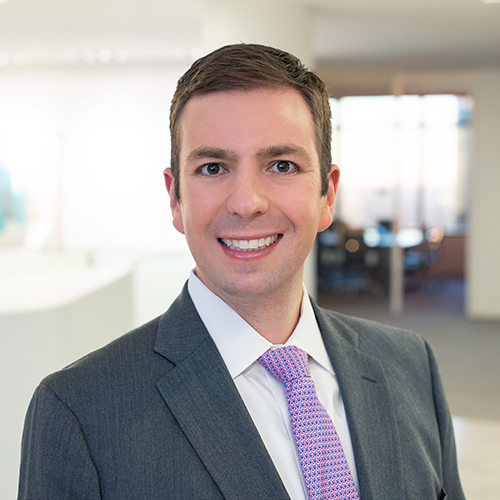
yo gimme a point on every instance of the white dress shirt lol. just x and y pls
(265, 397)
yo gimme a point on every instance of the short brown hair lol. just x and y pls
(246, 67)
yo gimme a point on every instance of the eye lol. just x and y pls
(284, 167)
(211, 169)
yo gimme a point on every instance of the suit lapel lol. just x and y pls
(369, 410)
(205, 402)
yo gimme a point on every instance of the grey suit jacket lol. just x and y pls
(155, 415)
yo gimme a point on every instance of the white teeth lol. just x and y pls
(249, 245)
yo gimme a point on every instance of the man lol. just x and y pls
(195, 404)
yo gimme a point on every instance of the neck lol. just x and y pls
(272, 316)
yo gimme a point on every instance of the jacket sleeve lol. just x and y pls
(55, 460)
(451, 479)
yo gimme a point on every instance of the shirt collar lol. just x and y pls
(238, 343)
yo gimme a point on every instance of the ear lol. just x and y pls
(329, 199)
(175, 206)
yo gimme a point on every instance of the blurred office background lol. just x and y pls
(87, 250)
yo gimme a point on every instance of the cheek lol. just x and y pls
(203, 203)
(197, 215)
(313, 213)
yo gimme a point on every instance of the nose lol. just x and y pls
(247, 196)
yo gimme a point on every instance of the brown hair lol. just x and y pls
(246, 67)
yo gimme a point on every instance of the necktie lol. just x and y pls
(324, 466)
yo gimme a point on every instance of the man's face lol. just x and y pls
(250, 203)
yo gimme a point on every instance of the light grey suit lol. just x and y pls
(155, 415)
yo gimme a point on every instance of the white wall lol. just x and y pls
(158, 279)
(483, 273)
(91, 143)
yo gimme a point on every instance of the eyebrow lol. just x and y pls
(284, 149)
(227, 154)
(211, 152)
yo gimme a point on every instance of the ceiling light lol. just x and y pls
(490, 1)
(105, 55)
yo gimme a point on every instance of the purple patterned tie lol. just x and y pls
(322, 458)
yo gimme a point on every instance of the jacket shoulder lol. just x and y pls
(351, 327)
(391, 345)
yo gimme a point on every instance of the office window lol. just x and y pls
(402, 157)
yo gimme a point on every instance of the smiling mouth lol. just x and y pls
(250, 245)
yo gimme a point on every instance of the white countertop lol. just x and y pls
(29, 284)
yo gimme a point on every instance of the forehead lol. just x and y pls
(262, 117)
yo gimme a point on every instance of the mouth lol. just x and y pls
(250, 245)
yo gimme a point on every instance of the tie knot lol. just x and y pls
(286, 363)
